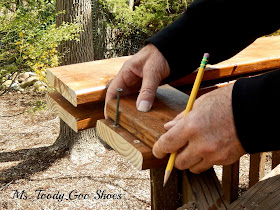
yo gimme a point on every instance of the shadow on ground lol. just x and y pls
(32, 160)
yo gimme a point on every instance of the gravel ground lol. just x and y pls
(88, 177)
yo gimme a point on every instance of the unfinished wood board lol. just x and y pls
(263, 54)
(148, 126)
(272, 173)
(84, 82)
(207, 190)
(136, 152)
(263, 195)
(78, 118)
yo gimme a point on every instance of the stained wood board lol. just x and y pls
(167, 197)
(230, 181)
(86, 82)
(275, 158)
(78, 118)
(83, 117)
(136, 152)
(263, 54)
(148, 126)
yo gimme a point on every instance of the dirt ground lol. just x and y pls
(88, 176)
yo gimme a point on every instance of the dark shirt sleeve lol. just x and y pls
(223, 28)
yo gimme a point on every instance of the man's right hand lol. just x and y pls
(144, 70)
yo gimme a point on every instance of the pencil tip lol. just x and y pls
(166, 177)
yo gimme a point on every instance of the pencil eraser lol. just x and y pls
(206, 55)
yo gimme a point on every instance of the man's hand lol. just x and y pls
(146, 69)
(205, 137)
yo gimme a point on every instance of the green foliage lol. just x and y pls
(148, 17)
(29, 37)
(37, 105)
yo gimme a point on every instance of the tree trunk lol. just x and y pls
(81, 51)
(80, 10)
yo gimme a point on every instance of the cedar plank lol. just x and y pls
(148, 126)
(86, 82)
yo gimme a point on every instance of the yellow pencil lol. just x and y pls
(189, 106)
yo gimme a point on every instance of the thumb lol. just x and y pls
(148, 90)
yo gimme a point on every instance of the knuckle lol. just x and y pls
(194, 123)
(126, 65)
(181, 165)
(163, 145)
(192, 126)
(129, 62)
(209, 148)
(147, 91)
(224, 157)
(129, 65)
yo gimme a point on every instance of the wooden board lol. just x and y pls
(203, 188)
(272, 173)
(148, 126)
(263, 54)
(207, 190)
(81, 117)
(263, 195)
(230, 181)
(165, 197)
(136, 152)
(275, 158)
(78, 118)
(86, 82)
(257, 167)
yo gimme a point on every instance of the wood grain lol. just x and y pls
(272, 173)
(136, 152)
(263, 195)
(230, 181)
(78, 118)
(86, 82)
(257, 167)
(207, 190)
(82, 117)
(263, 54)
(164, 197)
(148, 127)
(275, 158)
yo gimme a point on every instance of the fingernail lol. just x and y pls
(144, 106)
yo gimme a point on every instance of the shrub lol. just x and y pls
(148, 16)
(29, 37)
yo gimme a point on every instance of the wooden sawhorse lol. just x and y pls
(79, 102)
